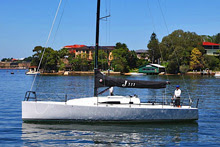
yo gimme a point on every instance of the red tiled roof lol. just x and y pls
(84, 47)
(74, 46)
(33, 67)
(210, 43)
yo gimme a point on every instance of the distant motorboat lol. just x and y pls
(134, 74)
(32, 71)
(137, 74)
(217, 74)
(12, 73)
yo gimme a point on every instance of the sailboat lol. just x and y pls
(106, 108)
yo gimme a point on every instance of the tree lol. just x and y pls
(132, 59)
(207, 38)
(63, 52)
(102, 60)
(196, 60)
(141, 62)
(120, 56)
(211, 62)
(177, 48)
(184, 68)
(218, 52)
(28, 59)
(49, 60)
(213, 38)
(217, 38)
(6, 59)
(153, 48)
(36, 57)
(80, 62)
(172, 67)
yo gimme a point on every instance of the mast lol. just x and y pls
(96, 48)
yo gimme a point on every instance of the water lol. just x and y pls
(13, 132)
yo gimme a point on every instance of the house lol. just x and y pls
(142, 54)
(151, 69)
(89, 50)
(211, 48)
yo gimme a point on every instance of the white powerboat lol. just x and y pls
(217, 75)
(134, 74)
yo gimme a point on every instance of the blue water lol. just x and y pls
(13, 132)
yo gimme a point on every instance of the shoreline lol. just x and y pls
(90, 73)
(77, 73)
(14, 68)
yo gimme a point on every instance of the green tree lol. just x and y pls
(36, 57)
(141, 62)
(184, 68)
(102, 60)
(218, 52)
(80, 62)
(213, 38)
(172, 67)
(207, 38)
(132, 59)
(212, 62)
(63, 52)
(177, 48)
(217, 38)
(153, 48)
(28, 59)
(49, 60)
(6, 59)
(120, 56)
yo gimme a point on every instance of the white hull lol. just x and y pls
(217, 75)
(32, 73)
(86, 109)
(136, 74)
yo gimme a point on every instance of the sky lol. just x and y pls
(25, 24)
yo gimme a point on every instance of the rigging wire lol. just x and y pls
(53, 41)
(109, 22)
(154, 29)
(174, 52)
(151, 16)
(46, 44)
(59, 22)
(104, 50)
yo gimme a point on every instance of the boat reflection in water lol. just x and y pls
(109, 134)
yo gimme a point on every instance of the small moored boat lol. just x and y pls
(217, 74)
(32, 71)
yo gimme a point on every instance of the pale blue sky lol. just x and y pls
(25, 24)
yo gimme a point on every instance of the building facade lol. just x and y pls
(151, 69)
(14, 65)
(142, 54)
(89, 50)
(211, 48)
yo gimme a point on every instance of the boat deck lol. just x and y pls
(101, 102)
